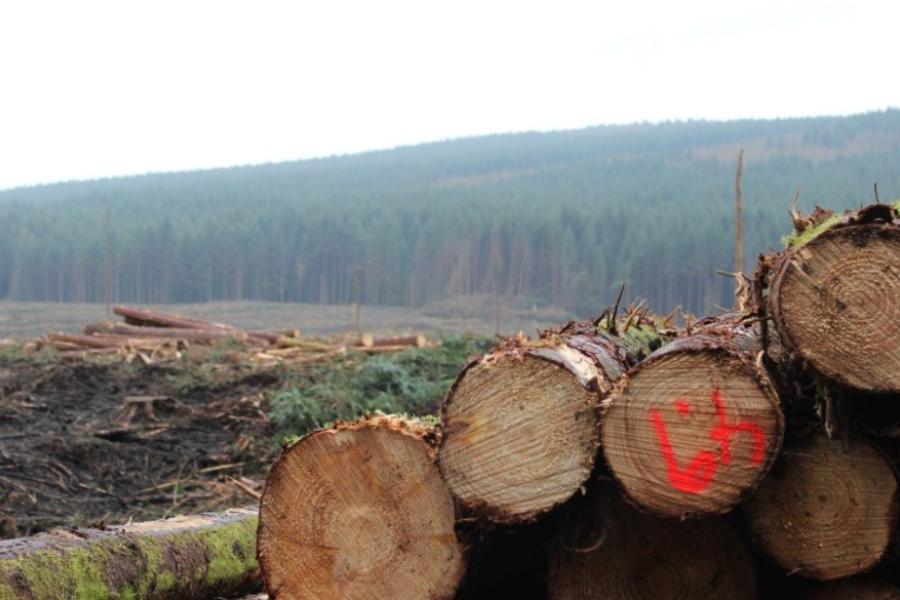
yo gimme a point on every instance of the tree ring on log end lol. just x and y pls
(519, 434)
(605, 549)
(359, 511)
(825, 512)
(691, 432)
(836, 303)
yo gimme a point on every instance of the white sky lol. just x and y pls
(91, 89)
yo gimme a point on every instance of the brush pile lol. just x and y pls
(746, 455)
(151, 337)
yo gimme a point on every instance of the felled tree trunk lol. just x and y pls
(607, 550)
(834, 295)
(696, 425)
(196, 336)
(826, 512)
(359, 511)
(519, 425)
(146, 318)
(202, 556)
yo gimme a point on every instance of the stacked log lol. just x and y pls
(752, 453)
(360, 511)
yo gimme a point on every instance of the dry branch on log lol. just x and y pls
(181, 558)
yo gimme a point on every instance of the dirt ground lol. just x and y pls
(89, 443)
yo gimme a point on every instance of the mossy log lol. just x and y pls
(359, 511)
(696, 426)
(834, 296)
(855, 589)
(520, 424)
(606, 549)
(201, 556)
(826, 511)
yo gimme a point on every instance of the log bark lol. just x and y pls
(696, 426)
(826, 512)
(146, 318)
(359, 511)
(202, 556)
(605, 549)
(856, 589)
(834, 295)
(520, 424)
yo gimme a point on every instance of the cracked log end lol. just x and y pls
(605, 549)
(359, 511)
(691, 432)
(823, 512)
(519, 434)
(836, 303)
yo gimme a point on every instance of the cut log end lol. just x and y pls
(691, 433)
(519, 436)
(607, 550)
(825, 512)
(836, 302)
(359, 511)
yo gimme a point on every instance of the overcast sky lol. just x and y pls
(92, 89)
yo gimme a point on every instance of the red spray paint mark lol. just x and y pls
(698, 474)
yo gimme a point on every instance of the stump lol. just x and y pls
(520, 424)
(359, 511)
(825, 512)
(697, 425)
(835, 298)
(605, 549)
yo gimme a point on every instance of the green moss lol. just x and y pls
(795, 240)
(224, 562)
(80, 573)
(7, 593)
(51, 575)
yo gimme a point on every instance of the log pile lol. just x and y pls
(152, 336)
(751, 454)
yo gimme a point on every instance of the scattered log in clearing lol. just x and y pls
(202, 556)
(359, 511)
(367, 340)
(146, 318)
(856, 589)
(194, 336)
(835, 297)
(519, 425)
(826, 512)
(309, 345)
(695, 426)
(607, 550)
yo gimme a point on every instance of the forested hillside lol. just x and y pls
(549, 218)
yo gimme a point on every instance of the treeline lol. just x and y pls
(561, 218)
